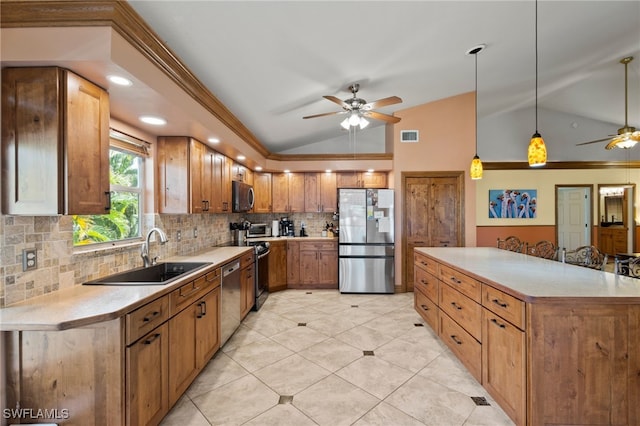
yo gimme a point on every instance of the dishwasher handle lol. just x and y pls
(230, 268)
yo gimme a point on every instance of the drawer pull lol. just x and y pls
(423, 281)
(455, 280)
(499, 303)
(455, 305)
(495, 321)
(424, 263)
(194, 290)
(212, 279)
(425, 307)
(151, 339)
(455, 339)
(151, 316)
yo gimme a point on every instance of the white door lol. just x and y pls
(573, 217)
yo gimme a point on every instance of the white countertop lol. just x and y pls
(534, 279)
(83, 305)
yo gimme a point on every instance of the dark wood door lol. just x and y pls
(432, 216)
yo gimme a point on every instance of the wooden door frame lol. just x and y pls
(459, 175)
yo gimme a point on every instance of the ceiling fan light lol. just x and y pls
(625, 141)
(354, 119)
(345, 123)
(475, 171)
(537, 151)
(363, 123)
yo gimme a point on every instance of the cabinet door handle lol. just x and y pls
(495, 321)
(151, 339)
(423, 281)
(151, 316)
(501, 304)
(455, 339)
(455, 305)
(203, 309)
(194, 290)
(108, 206)
(455, 280)
(425, 307)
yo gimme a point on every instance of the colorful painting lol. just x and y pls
(512, 203)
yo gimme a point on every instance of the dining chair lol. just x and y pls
(588, 256)
(627, 266)
(510, 243)
(544, 249)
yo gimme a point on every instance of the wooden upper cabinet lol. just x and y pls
(362, 180)
(172, 174)
(241, 173)
(320, 192)
(222, 171)
(55, 143)
(262, 190)
(201, 160)
(288, 192)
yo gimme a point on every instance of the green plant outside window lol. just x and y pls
(123, 220)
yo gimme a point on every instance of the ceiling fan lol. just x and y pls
(627, 135)
(358, 109)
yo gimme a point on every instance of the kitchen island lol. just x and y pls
(552, 343)
(113, 354)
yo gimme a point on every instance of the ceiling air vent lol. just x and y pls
(409, 136)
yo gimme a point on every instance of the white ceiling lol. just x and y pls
(270, 62)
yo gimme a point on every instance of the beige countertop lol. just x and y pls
(84, 305)
(314, 238)
(534, 279)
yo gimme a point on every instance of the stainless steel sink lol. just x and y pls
(158, 274)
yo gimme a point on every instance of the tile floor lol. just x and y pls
(327, 358)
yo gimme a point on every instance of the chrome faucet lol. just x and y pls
(144, 252)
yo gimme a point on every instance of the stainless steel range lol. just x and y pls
(261, 250)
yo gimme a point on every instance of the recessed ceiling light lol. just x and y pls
(241, 157)
(156, 121)
(120, 81)
(287, 171)
(328, 171)
(214, 140)
(370, 171)
(258, 168)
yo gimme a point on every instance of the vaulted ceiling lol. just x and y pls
(270, 62)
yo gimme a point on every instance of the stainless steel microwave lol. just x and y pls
(242, 196)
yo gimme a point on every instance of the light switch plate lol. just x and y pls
(29, 259)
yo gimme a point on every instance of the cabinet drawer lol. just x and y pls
(146, 318)
(508, 307)
(461, 282)
(423, 262)
(426, 283)
(318, 245)
(467, 349)
(246, 260)
(464, 311)
(426, 308)
(193, 290)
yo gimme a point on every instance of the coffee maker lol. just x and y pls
(286, 227)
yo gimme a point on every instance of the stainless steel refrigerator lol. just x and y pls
(366, 242)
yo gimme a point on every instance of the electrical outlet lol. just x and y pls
(195, 232)
(179, 236)
(29, 259)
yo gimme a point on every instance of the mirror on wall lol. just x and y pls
(617, 218)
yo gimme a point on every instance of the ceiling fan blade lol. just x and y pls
(391, 100)
(323, 114)
(381, 116)
(595, 141)
(340, 102)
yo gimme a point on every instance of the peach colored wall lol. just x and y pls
(447, 143)
(487, 235)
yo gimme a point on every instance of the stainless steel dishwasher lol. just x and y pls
(229, 300)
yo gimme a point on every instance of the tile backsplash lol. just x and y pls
(60, 265)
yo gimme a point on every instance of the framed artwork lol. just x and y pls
(513, 203)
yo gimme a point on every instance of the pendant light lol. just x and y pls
(537, 152)
(475, 171)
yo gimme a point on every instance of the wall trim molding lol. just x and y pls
(561, 165)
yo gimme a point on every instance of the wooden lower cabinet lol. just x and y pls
(147, 384)
(503, 364)
(247, 290)
(312, 264)
(278, 266)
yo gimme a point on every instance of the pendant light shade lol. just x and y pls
(537, 153)
(475, 171)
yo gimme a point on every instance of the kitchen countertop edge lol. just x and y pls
(82, 305)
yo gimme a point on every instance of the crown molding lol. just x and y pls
(561, 165)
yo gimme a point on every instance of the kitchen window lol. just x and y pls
(126, 162)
